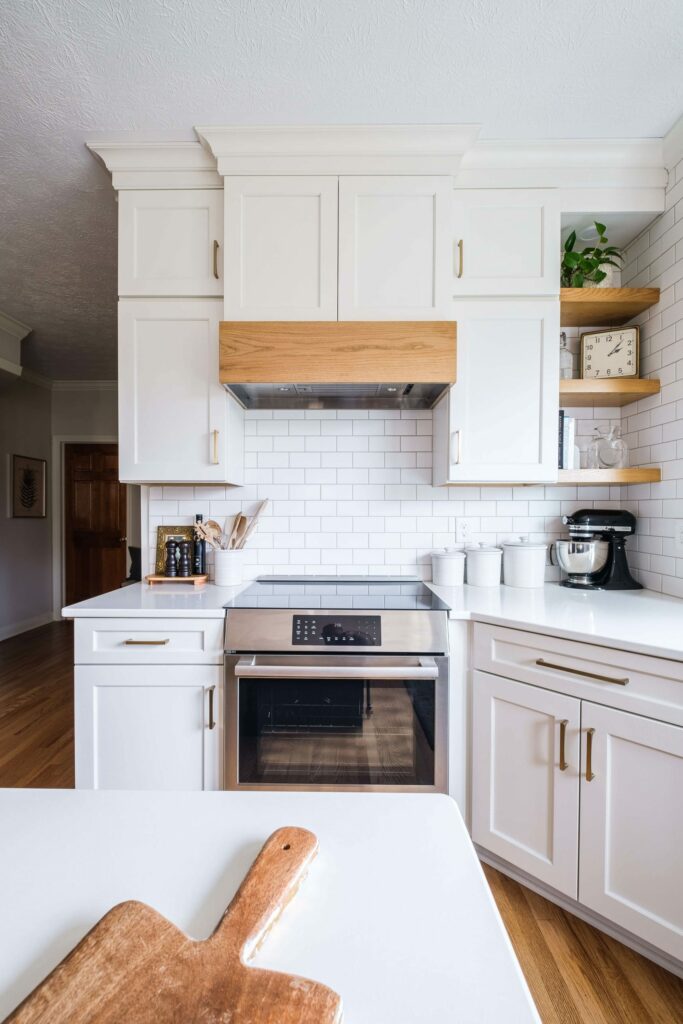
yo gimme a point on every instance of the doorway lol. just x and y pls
(94, 521)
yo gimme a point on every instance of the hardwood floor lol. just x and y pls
(576, 974)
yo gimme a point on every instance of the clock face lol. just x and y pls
(606, 354)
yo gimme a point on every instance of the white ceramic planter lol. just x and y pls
(483, 566)
(524, 563)
(228, 567)
(448, 568)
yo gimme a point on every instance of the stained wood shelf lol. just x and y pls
(603, 307)
(620, 391)
(634, 475)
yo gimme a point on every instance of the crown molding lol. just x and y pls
(13, 327)
(156, 163)
(673, 145)
(36, 378)
(563, 163)
(338, 149)
(84, 385)
(9, 370)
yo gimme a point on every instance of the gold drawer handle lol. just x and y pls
(563, 738)
(589, 755)
(460, 258)
(146, 643)
(214, 434)
(215, 259)
(580, 672)
(212, 720)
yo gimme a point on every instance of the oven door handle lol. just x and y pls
(246, 668)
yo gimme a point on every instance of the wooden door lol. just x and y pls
(525, 798)
(632, 824)
(148, 727)
(176, 422)
(170, 242)
(394, 247)
(498, 423)
(507, 242)
(281, 248)
(94, 521)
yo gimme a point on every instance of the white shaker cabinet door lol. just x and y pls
(148, 727)
(632, 824)
(394, 248)
(498, 423)
(507, 242)
(525, 796)
(176, 422)
(170, 242)
(281, 248)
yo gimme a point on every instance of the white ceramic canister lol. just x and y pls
(524, 563)
(483, 566)
(228, 567)
(448, 568)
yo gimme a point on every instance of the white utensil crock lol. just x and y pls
(228, 567)
(483, 566)
(448, 568)
(524, 563)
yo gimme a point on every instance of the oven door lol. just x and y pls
(336, 722)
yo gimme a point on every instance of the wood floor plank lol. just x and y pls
(577, 975)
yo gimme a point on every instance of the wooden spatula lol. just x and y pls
(135, 967)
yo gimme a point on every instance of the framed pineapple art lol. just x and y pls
(29, 490)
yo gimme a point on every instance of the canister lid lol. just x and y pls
(523, 542)
(484, 549)
(450, 553)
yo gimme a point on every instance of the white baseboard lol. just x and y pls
(669, 963)
(23, 627)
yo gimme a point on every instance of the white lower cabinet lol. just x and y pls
(632, 824)
(598, 817)
(525, 778)
(148, 727)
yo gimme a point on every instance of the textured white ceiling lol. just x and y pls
(74, 68)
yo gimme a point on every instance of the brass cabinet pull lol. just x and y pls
(460, 258)
(212, 720)
(456, 449)
(146, 643)
(214, 434)
(589, 755)
(215, 258)
(563, 737)
(580, 672)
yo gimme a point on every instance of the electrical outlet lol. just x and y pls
(678, 538)
(464, 528)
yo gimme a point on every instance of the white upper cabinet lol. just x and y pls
(176, 422)
(281, 248)
(506, 242)
(170, 242)
(394, 248)
(525, 778)
(632, 824)
(498, 423)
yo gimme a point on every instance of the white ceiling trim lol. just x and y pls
(156, 164)
(14, 327)
(673, 145)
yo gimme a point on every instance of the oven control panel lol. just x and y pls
(337, 631)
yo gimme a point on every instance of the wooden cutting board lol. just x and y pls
(135, 967)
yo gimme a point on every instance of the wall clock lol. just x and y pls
(610, 353)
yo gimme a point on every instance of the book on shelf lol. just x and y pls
(567, 452)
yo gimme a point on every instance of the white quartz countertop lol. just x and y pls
(632, 620)
(395, 914)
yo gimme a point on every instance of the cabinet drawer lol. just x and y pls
(148, 641)
(632, 682)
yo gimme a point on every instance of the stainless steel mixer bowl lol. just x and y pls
(581, 557)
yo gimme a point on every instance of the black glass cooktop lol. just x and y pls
(381, 592)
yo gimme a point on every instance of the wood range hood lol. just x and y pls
(328, 364)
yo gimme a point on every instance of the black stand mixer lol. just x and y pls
(594, 557)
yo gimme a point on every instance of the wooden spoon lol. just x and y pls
(135, 967)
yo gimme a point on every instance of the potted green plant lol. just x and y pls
(583, 269)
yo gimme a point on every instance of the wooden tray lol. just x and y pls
(197, 581)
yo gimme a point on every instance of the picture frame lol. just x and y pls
(28, 488)
(165, 533)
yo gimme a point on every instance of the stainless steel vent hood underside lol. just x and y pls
(337, 364)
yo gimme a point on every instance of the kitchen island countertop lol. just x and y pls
(395, 914)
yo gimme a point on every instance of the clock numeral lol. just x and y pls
(621, 370)
(609, 372)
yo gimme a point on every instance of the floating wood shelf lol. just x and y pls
(603, 307)
(635, 475)
(620, 391)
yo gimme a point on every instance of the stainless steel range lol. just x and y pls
(336, 683)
